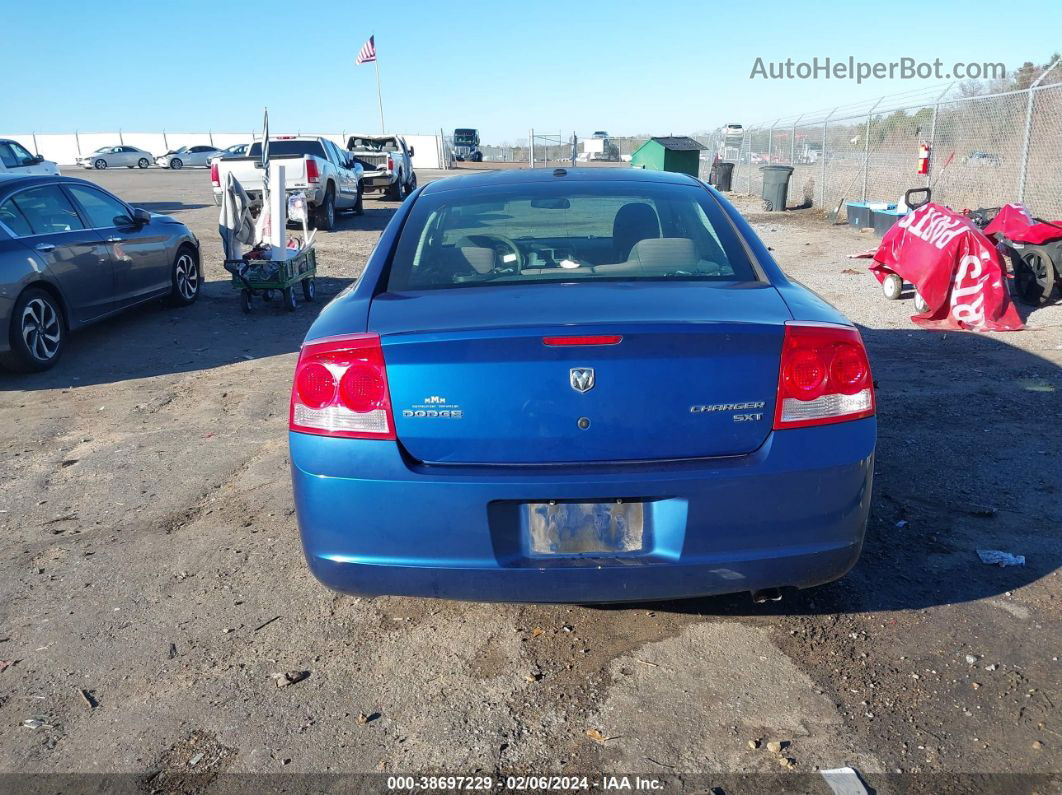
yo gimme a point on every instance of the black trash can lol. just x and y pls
(775, 187)
(722, 175)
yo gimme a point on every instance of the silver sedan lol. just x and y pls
(114, 156)
(188, 156)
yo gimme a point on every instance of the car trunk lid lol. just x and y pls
(693, 374)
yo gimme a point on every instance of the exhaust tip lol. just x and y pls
(766, 595)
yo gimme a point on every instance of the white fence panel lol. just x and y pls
(64, 148)
(425, 150)
(151, 142)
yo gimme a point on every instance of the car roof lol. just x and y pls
(529, 176)
(32, 180)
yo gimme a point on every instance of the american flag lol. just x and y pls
(367, 53)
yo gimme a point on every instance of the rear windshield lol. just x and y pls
(288, 148)
(373, 144)
(567, 231)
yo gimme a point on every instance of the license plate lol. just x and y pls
(585, 528)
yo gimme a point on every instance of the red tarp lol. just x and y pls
(1014, 223)
(954, 267)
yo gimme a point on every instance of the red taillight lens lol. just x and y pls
(311, 171)
(214, 178)
(591, 339)
(390, 163)
(340, 389)
(315, 385)
(363, 387)
(824, 377)
(804, 373)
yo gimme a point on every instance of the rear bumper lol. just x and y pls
(377, 180)
(791, 514)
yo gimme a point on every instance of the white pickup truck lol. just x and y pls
(16, 160)
(329, 176)
(388, 164)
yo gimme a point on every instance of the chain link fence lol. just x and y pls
(984, 151)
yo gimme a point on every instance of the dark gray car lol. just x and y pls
(71, 254)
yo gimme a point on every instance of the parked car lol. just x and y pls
(579, 385)
(16, 159)
(387, 162)
(114, 156)
(237, 150)
(71, 254)
(329, 176)
(190, 156)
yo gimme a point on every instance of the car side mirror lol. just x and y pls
(411, 151)
(141, 217)
(33, 161)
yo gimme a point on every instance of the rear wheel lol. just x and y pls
(176, 164)
(920, 304)
(289, 299)
(100, 164)
(326, 214)
(309, 290)
(37, 334)
(892, 286)
(245, 302)
(142, 163)
(1034, 276)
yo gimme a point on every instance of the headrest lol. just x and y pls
(664, 252)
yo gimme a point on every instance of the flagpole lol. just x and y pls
(379, 94)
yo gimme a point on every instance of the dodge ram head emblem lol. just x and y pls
(582, 378)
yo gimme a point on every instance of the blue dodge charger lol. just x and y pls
(579, 385)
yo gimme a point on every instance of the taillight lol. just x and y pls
(390, 163)
(824, 377)
(590, 339)
(214, 178)
(340, 389)
(311, 171)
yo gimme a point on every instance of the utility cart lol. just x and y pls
(276, 263)
(267, 277)
(892, 284)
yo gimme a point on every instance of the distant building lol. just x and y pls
(678, 153)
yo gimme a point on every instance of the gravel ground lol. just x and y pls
(153, 585)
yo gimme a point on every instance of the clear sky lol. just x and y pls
(502, 66)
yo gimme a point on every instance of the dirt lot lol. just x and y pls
(153, 584)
